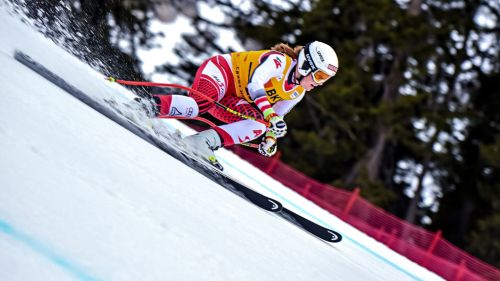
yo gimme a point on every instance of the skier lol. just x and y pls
(264, 85)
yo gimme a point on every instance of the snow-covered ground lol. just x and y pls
(82, 198)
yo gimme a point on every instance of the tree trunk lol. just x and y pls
(375, 154)
(372, 160)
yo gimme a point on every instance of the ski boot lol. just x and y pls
(203, 145)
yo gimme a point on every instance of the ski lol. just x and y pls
(311, 227)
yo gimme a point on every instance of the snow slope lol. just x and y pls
(82, 198)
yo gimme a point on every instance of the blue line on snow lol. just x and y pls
(45, 251)
(324, 223)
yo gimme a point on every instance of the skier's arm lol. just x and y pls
(283, 107)
(268, 147)
(272, 66)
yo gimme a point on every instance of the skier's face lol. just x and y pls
(308, 83)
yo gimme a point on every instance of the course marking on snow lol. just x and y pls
(45, 251)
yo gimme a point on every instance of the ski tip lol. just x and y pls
(275, 205)
(335, 237)
(110, 79)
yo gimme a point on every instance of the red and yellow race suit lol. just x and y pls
(268, 69)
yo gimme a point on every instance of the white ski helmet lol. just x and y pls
(317, 58)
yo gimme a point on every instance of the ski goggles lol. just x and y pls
(319, 76)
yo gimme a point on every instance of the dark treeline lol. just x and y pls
(412, 117)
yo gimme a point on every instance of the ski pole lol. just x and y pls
(153, 84)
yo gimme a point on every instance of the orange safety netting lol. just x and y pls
(428, 249)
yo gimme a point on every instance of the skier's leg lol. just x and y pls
(176, 106)
(211, 80)
(240, 131)
(214, 80)
(204, 143)
(238, 104)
